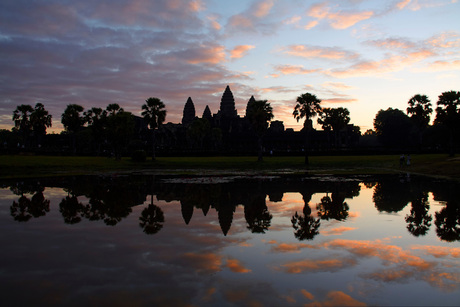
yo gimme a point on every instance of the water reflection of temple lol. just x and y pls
(110, 200)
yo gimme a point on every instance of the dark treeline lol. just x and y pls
(110, 200)
(115, 132)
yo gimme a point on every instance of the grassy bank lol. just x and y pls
(28, 166)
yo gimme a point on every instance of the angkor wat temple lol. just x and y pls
(227, 132)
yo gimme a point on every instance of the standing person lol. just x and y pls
(401, 161)
(408, 160)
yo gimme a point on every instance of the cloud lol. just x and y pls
(235, 266)
(306, 51)
(240, 51)
(337, 298)
(254, 19)
(292, 69)
(290, 247)
(337, 19)
(337, 231)
(204, 263)
(262, 8)
(310, 265)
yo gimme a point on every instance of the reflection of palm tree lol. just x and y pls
(448, 222)
(333, 208)
(25, 209)
(151, 219)
(20, 209)
(419, 221)
(306, 227)
(71, 210)
(257, 215)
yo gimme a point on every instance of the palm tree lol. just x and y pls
(22, 122)
(420, 110)
(335, 118)
(308, 106)
(73, 121)
(448, 113)
(259, 113)
(155, 114)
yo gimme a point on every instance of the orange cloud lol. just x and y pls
(235, 266)
(392, 43)
(338, 20)
(339, 100)
(440, 251)
(206, 263)
(337, 298)
(196, 5)
(309, 265)
(402, 4)
(262, 8)
(319, 52)
(240, 51)
(206, 54)
(444, 65)
(311, 25)
(307, 294)
(241, 21)
(337, 231)
(293, 69)
(291, 248)
(338, 85)
(214, 23)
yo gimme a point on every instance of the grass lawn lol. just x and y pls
(19, 166)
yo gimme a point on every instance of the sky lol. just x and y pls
(363, 55)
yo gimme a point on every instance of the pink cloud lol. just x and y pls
(319, 52)
(212, 54)
(293, 69)
(240, 51)
(262, 8)
(337, 298)
(339, 19)
(337, 231)
(309, 265)
(235, 266)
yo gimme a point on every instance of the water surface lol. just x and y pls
(240, 240)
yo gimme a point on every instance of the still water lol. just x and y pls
(235, 240)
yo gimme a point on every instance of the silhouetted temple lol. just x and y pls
(228, 133)
(189, 112)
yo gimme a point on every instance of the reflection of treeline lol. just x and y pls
(110, 200)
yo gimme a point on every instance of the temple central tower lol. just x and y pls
(227, 104)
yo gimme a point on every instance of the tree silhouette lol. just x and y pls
(393, 128)
(257, 215)
(71, 209)
(335, 119)
(155, 114)
(448, 114)
(308, 106)
(447, 222)
(120, 128)
(96, 120)
(73, 121)
(419, 221)
(151, 219)
(306, 226)
(20, 210)
(259, 113)
(420, 110)
(22, 123)
(333, 208)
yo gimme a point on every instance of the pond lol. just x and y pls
(279, 240)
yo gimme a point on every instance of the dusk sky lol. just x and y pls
(362, 55)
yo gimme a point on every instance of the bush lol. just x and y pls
(139, 156)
